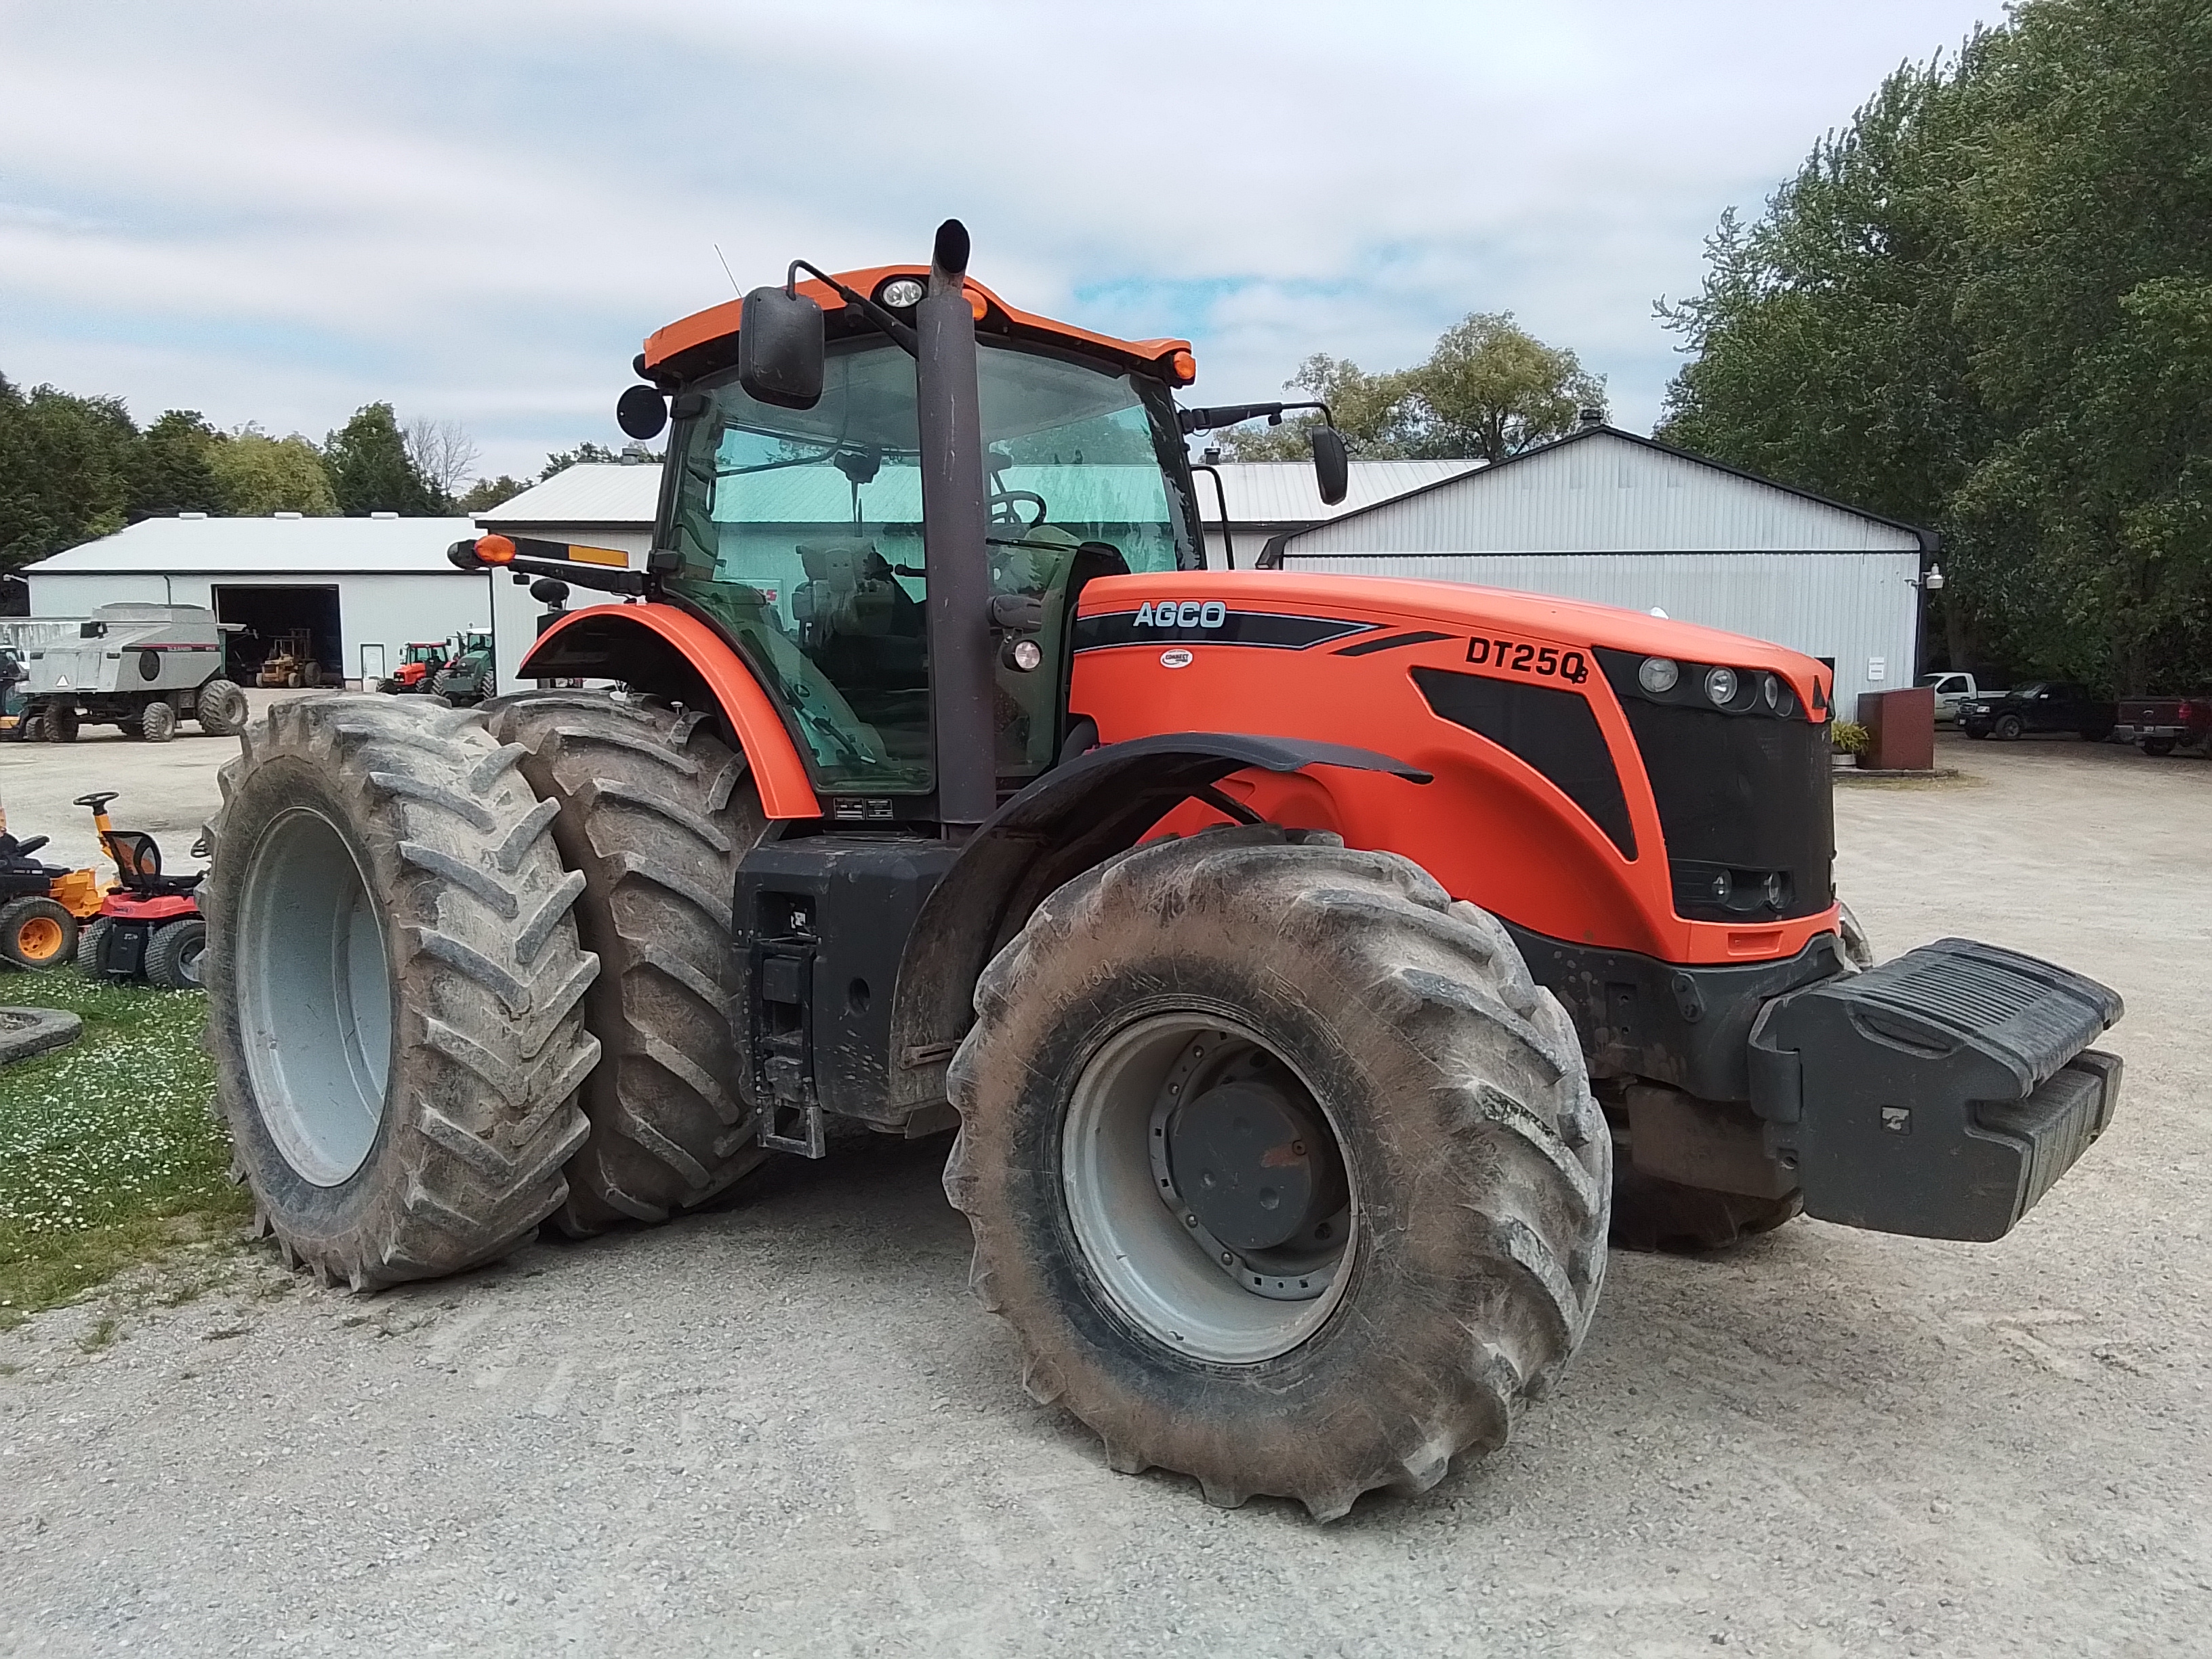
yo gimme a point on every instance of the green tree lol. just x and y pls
(68, 468)
(174, 468)
(1488, 389)
(487, 493)
(586, 453)
(261, 475)
(370, 468)
(1986, 305)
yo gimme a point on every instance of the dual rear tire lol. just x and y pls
(473, 973)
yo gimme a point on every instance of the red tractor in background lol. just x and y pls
(419, 663)
(1320, 972)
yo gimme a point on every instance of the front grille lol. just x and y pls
(1749, 796)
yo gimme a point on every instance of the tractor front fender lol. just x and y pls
(1079, 814)
(672, 654)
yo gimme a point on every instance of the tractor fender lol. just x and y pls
(1080, 813)
(672, 653)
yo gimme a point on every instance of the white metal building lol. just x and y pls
(1608, 516)
(361, 587)
(613, 505)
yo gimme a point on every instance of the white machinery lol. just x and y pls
(142, 667)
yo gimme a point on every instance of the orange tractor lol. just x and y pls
(1320, 972)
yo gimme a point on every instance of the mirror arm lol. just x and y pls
(897, 332)
(1206, 420)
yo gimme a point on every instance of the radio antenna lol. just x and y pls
(726, 272)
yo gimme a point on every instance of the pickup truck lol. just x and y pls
(2039, 706)
(2161, 724)
(1952, 689)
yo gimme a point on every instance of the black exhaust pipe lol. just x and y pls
(955, 513)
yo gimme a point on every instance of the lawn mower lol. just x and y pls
(149, 926)
(42, 906)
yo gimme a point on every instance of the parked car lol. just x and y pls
(2039, 706)
(2161, 725)
(1952, 689)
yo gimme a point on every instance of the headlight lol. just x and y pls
(1720, 687)
(1658, 675)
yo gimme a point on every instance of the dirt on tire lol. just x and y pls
(488, 1045)
(656, 811)
(1479, 1164)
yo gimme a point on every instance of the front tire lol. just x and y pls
(655, 812)
(157, 721)
(221, 709)
(1354, 995)
(1649, 1213)
(394, 989)
(2009, 727)
(37, 933)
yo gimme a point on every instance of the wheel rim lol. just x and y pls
(1179, 1232)
(314, 997)
(40, 939)
(190, 956)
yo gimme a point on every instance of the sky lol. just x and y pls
(476, 210)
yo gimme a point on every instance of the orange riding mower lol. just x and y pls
(148, 927)
(42, 906)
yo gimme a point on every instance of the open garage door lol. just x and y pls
(261, 621)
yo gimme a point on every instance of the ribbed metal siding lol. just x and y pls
(1604, 494)
(1854, 607)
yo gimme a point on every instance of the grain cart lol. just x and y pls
(1315, 968)
(141, 667)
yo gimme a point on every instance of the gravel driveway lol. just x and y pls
(785, 1428)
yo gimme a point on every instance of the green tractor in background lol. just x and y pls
(467, 678)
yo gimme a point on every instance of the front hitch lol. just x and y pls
(1940, 1095)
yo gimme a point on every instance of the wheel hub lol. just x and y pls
(1206, 1188)
(1256, 1166)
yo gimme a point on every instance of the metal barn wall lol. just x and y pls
(1857, 608)
(1600, 493)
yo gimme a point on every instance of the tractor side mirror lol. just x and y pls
(640, 412)
(781, 353)
(1332, 465)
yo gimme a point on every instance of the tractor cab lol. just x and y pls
(799, 531)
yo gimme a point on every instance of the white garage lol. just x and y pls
(360, 588)
(1608, 516)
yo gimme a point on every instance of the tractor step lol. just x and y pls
(1940, 1095)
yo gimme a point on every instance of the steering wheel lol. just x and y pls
(1003, 504)
(96, 801)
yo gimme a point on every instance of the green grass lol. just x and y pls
(110, 1153)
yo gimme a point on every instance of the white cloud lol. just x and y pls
(477, 210)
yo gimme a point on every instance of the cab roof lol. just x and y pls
(707, 341)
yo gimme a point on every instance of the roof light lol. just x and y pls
(494, 550)
(1720, 686)
(901, 293)
(1658, 675)
(977, 303)
(1184, 366)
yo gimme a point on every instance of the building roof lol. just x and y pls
(1601, 489)
(605, 495)
(1284, 492)
(270, 546)
(608, 495)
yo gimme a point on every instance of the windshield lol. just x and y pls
(799, 530)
